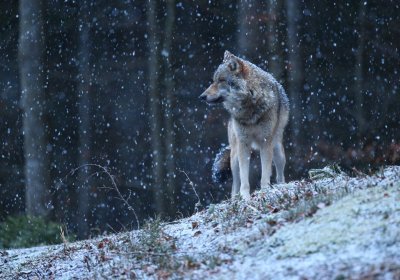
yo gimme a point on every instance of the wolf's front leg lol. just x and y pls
(235, 172)
(266, 152)
(279, 161)
(244, 161)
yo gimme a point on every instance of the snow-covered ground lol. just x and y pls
(329, 227)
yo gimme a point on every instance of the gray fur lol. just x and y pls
(259, 110)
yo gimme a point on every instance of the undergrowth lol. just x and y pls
(156, 249)
(28, 231)
(278, 204)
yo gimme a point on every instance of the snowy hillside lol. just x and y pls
(331, 226)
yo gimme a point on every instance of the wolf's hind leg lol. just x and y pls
(266, 152)
(235, 173)
(279, 162)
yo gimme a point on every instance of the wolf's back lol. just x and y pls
(221, 169)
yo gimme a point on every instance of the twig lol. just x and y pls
(86, 261)
(114, 184)
(123, 226)
(180, 253)
(359, 173)
(198, 204)
(212, 197)
(64, 240)
(150, 254)
(22, 272)
(3, 253)
(253, 208)
(114, 231)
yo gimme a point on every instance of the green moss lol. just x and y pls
(25, 231)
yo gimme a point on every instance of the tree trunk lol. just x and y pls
(155, 106)
(294, 70)
(313, 130)
(169, 105)
(84, 81)
(247, 36)
(33, 101)
(275, 64)
(358, 83)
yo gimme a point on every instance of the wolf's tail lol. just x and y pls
(221, 169)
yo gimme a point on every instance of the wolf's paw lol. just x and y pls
(265, 182)
(266, 186)
(245, 195)
(280, 179)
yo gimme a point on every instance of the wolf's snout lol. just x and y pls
(203, 96)
(211, 95)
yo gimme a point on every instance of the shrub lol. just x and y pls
(26, 231)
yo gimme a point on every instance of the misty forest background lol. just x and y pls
(114, 84)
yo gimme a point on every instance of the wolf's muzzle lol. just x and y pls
(211, 99)
(203, 96)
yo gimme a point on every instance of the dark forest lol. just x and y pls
(102, 127)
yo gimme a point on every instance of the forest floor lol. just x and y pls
(330, 226)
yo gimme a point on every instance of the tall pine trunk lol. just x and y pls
(169, 105)
(37, 163)
(155, 106)
(294, 70)
(247, 37)
(85, 133)
(358, 75)
(275, 63)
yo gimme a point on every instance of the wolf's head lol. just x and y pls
(229, 79)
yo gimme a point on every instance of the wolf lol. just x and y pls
(259, 112)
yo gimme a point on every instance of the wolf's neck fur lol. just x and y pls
(248, 108)
(254, 102)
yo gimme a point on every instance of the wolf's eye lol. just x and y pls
(221, 80)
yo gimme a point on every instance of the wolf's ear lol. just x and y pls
(227, 56)
(234, 65)
(238, 66)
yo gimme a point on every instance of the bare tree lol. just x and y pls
(275, 56)
(358, 75)
(30, 50)
(313, 109)
(169, 103)
(247, 35)
(85, 133)
(294, 68)
(155, 106)
(264, 41)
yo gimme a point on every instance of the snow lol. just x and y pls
(331, 226)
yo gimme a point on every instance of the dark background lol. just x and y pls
(119, 87)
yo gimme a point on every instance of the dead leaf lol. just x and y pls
(195, 224)
(275, 210)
